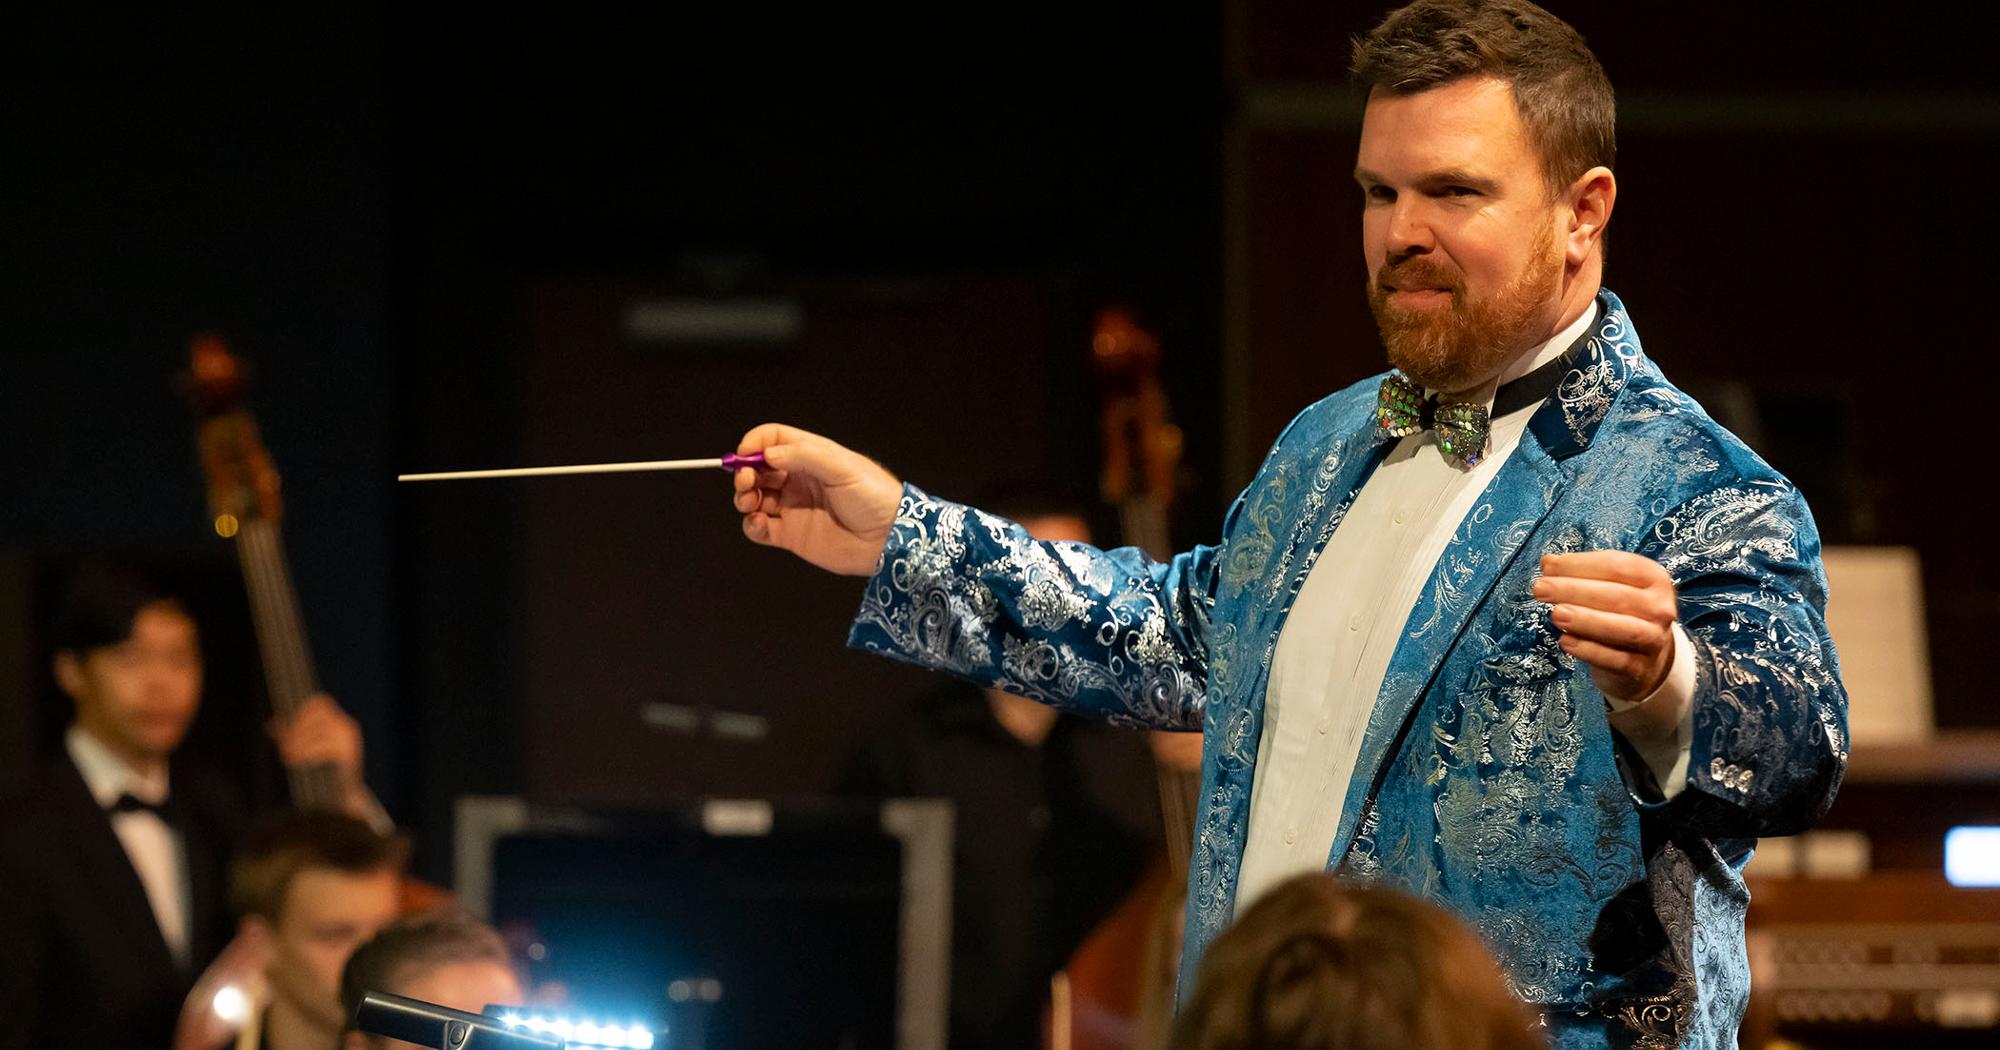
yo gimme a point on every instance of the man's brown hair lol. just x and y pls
(1324, 964)
(277, 850)
(1562, 94)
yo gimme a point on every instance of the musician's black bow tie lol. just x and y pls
(129, 803)
(1402, 408)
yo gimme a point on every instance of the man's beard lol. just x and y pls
(1468, 342)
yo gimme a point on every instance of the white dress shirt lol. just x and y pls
(1334, 650)
(157, 851)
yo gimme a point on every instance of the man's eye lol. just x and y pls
(1460, 191)
(1379, 193)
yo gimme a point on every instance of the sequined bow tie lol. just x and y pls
(1402, 408)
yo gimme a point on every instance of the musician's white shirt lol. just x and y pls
(158, 852)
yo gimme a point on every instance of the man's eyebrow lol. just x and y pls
(1458, 177)
(1441, 177)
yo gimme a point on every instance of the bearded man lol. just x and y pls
(1517, 626)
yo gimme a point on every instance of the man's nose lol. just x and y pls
(1409, 228)
(163, 680)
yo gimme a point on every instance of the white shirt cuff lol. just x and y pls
(1661, 726)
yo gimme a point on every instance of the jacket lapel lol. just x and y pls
(1486, 543)
(1288, 519)
(205, 845)
(103, 866)
(1338, 474)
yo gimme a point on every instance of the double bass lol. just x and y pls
(1117, 990)
(246, 509)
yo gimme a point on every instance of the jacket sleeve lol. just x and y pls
(1769, 739)
(1109, 634)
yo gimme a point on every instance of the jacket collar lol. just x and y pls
(1567, 422)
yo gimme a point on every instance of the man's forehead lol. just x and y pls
(1471, 124)
(317, 894)
(163, 617)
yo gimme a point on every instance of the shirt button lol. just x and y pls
(1323, 727)
(1354, 622)
(1291, 835)
(1402, 515)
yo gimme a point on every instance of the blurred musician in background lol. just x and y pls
(113, 856)
(1056, 817)
(308, 888)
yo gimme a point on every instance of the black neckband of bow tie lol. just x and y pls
(135, 804)
(1536, 385)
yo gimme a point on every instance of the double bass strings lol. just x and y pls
(287, 657)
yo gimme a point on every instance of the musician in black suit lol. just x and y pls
(113, 860)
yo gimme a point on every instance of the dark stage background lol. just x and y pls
(426, 227)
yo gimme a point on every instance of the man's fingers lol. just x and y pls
(747, 478)
(785, 447)
(758, 501)
(764, 528)
(789, 449)
(1651, 603)
(764, 435)
(811, 455)
(1634, 570)
(1607, 659)
(1616, 630)
(318, 718)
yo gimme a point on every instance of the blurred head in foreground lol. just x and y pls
(1324, 964)
(449, 959)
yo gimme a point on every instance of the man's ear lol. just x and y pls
(1591, 197)
(69, 675)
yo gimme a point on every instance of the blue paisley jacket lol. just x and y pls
(1488, 778)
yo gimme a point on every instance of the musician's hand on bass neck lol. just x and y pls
(322, 734)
